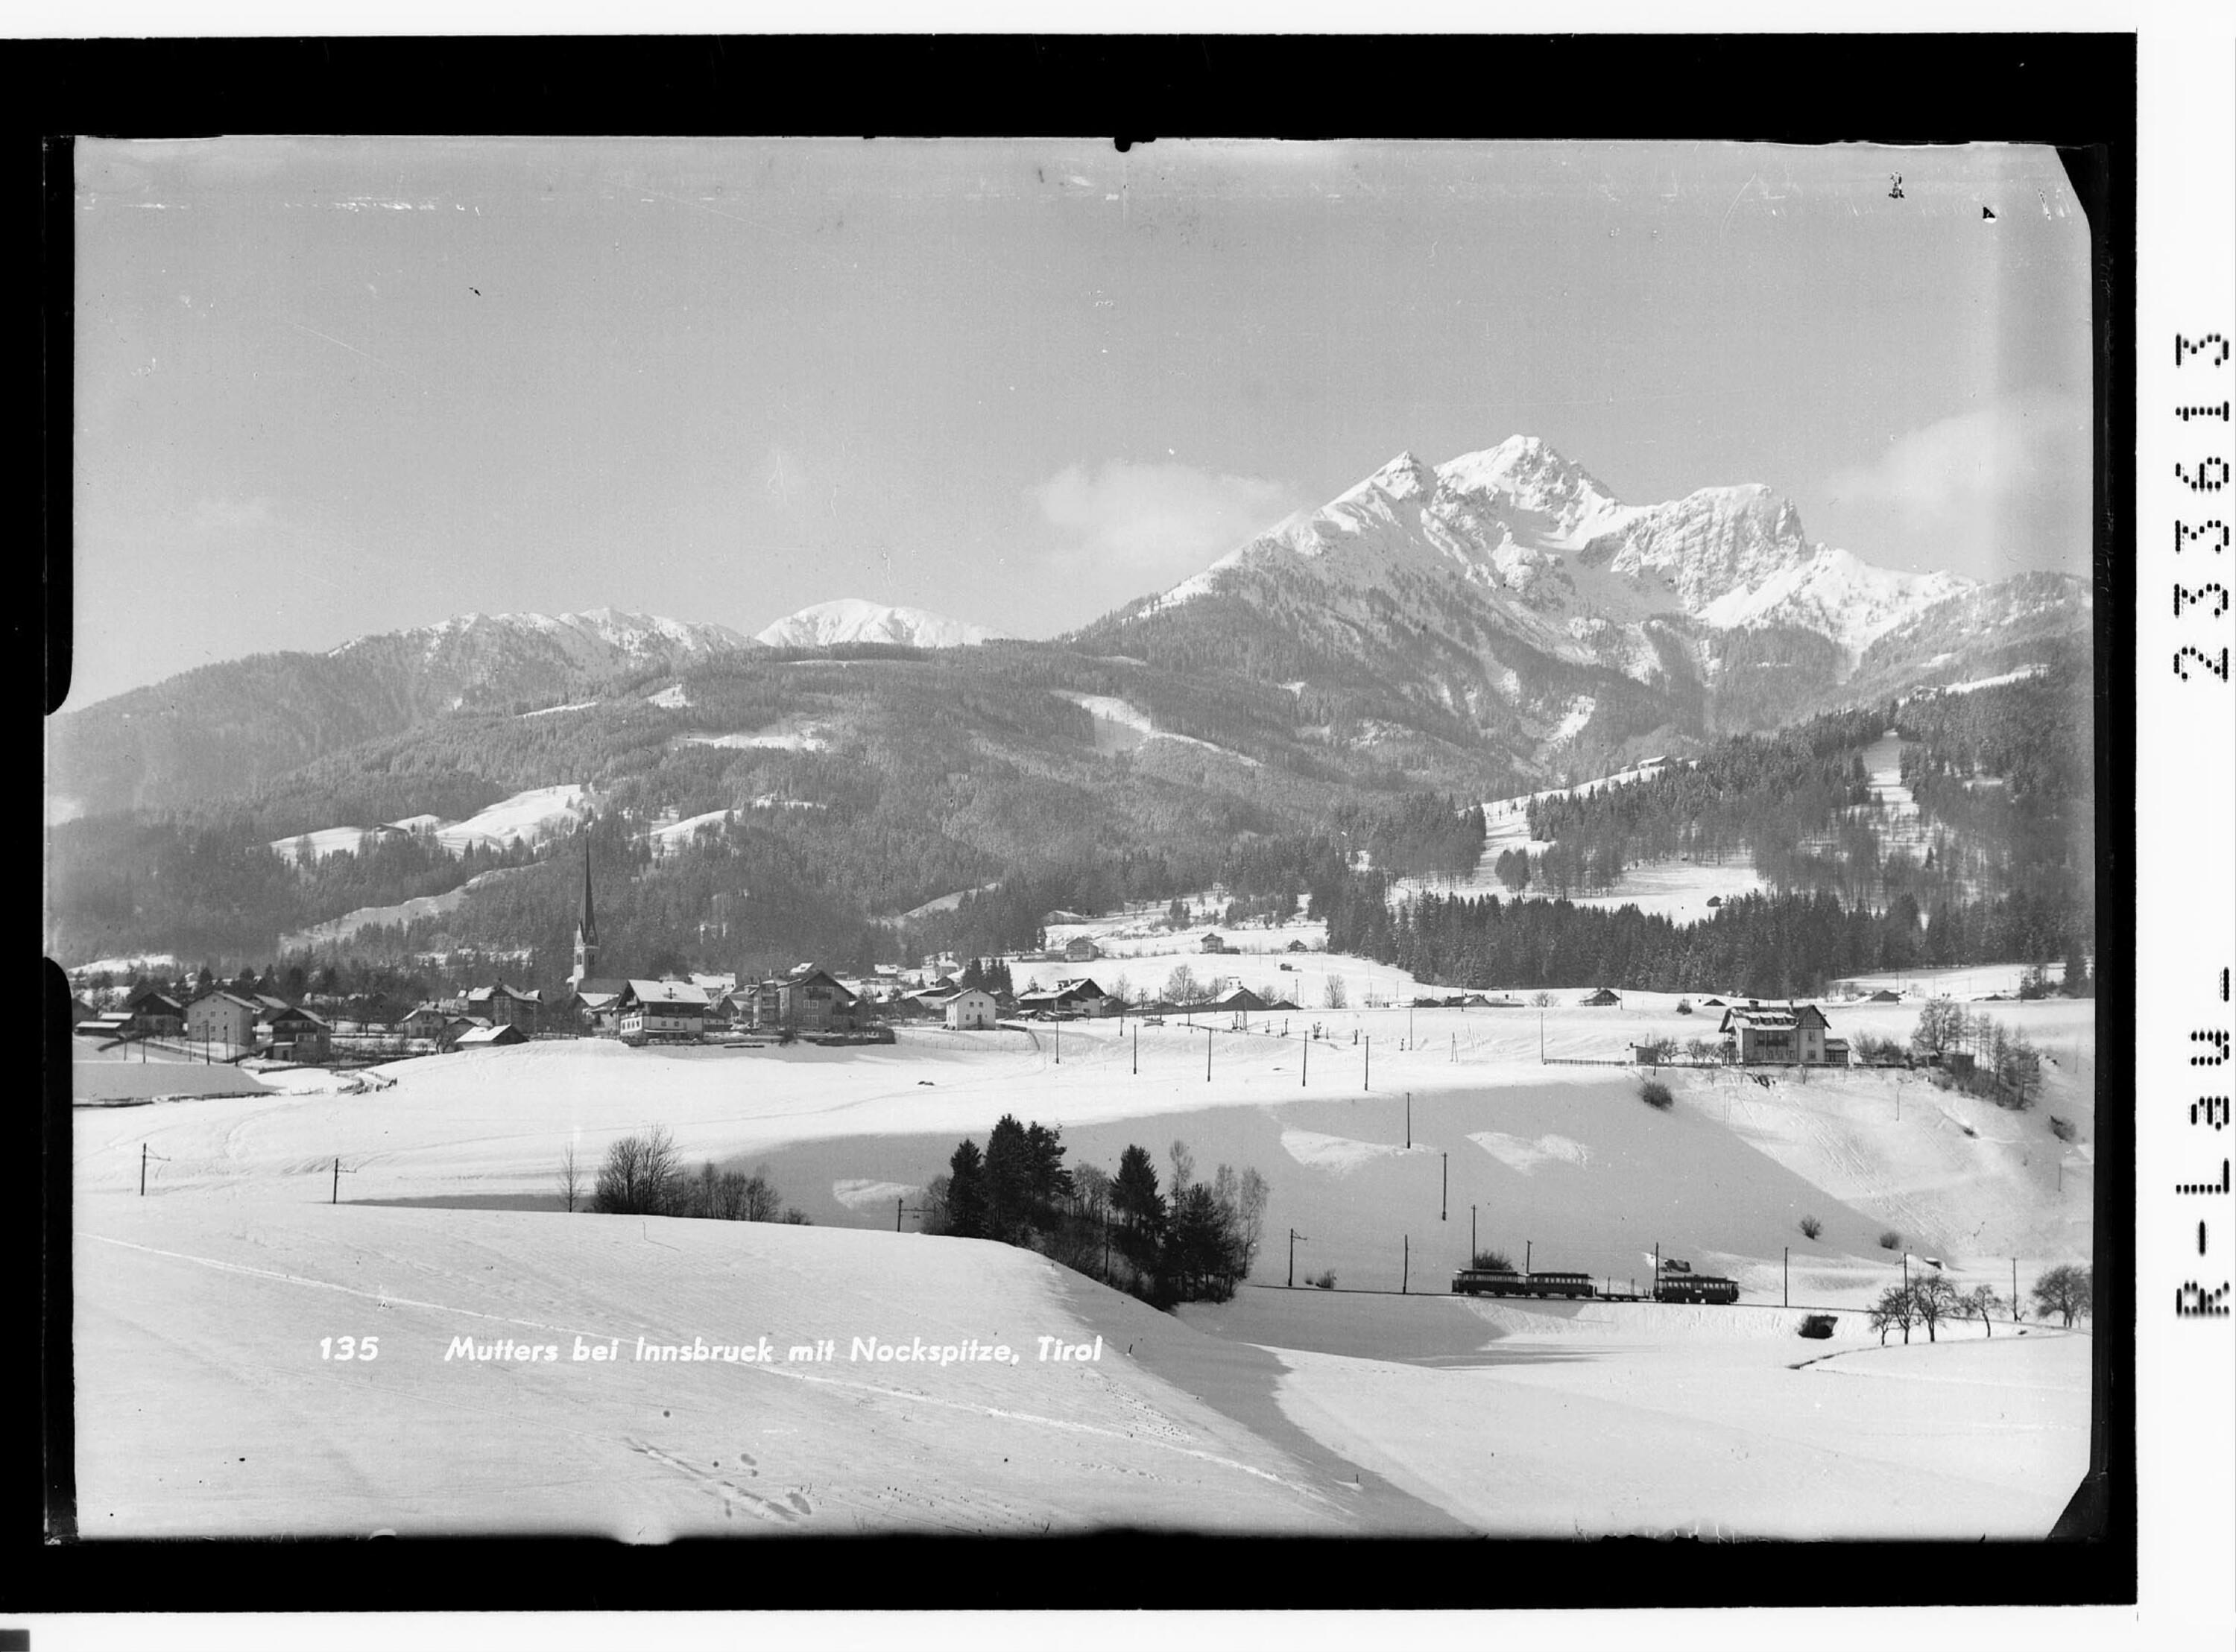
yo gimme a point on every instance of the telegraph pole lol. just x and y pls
(1137, 1046)
(1444, 1206)
(1293, 1237)
(1409, 1121)
(898, 1197)
(1206, 1055)
(1471, 1243)
(143, 1192)
(1786, 1288)
(1657, 1268)
(1406, 1272)
(336, 1197)
(1305, 1072)
(1528, 1245)
(1367, 1073)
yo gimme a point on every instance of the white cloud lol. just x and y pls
(1159, 518)
(1956, 472)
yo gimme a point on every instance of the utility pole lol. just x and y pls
(896, 1211)
(1367, 1073)
(1058, 1025)
(1206, 1055)
(1472, 1244)
(1528, 1245)
(336, 1197)
(1409, 1121)
(1785, 1287)
(1405, 1267)
(1445, 1206)
(1305, 1072)
(144, 1184)
(1293, 1237)
(1657, 1268)
(1137, 1046)
(1541, 1035)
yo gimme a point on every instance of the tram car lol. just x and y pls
(1679, 1283)
(1495, 1281)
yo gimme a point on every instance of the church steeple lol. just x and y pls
(586, 926)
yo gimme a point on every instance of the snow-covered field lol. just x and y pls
(794, 736)
(523, 815)
(398, 913)
(202, 1307)
(1677, 889)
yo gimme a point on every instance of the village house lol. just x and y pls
(1602, 999)
(664, 1010)
(292, 1034)
(501, 1005)
(149, 1010)
(1240, 1000)
(973, 1006)
(1777, 1034)
(599, 997)
(1080, 949)
(222, 1016)
(1212, 943)
(809, 1000)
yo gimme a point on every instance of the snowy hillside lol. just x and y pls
(202, 1307)
(593, 641)
(850, 619)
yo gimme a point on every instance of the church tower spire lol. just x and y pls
(586, 926)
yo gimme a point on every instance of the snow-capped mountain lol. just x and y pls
(1542, 539)
(850, 619)
(218, 730)
(1512, 590)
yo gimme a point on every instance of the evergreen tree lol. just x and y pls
(966, 1192)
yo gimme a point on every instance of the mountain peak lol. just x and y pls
(822, 625)
(1531, 473)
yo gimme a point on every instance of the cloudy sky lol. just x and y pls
(332, 387)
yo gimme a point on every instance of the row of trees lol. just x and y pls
(1193, 1241)
(644, 1175)
(2007, 1067)
(1766, 946)
(2067, 1292)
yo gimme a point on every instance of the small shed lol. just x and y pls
(484, 1037)
(1602, 999)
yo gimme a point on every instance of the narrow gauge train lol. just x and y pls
(1672, 1287)
(1498, 1281)
(1696, 1288)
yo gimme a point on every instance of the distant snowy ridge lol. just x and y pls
(595, 639)
(824, 625)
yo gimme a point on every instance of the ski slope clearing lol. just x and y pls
(398, 914)
(1122, 726)
(778, 736)
(524, 815)
(1677, 889)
